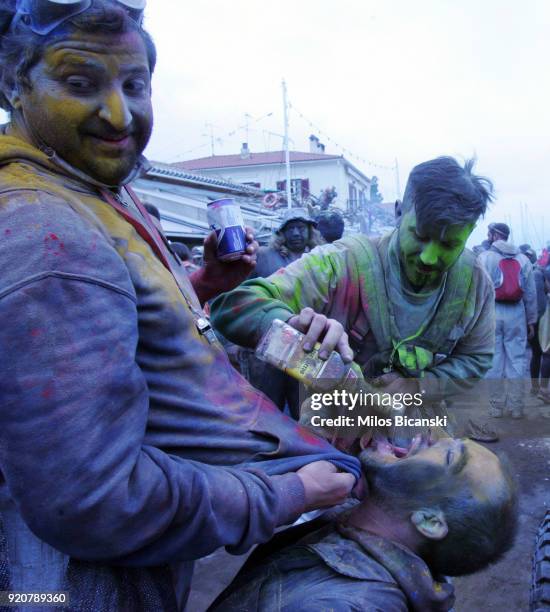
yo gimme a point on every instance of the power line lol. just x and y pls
(343, 149)
(219, 139)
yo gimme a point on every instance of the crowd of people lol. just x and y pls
(522, 284)
(130, 446)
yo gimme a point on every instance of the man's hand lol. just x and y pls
(530, 331)
(395, 383)
(324, 485)
(329, 332)
(215, 276)
(237, 270)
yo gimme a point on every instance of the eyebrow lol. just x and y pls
(74, 61)
(458, 465)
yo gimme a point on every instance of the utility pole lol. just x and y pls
(397, 183)
(287, 152)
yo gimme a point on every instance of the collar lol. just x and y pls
(350, 552)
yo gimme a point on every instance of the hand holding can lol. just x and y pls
(225, 218)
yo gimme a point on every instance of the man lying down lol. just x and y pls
(444, 509)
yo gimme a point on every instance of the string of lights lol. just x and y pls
(344, 150)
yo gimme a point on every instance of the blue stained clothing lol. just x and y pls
(117, 415)
(337, 568)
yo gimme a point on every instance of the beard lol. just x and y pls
(403, 485)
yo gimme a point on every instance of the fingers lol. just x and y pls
(210, 244)
(318, 328)
(343, 347)
(315, 331)
(335, 339)
(324, 486)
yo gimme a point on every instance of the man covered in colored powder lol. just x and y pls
(119, 408)
(415, 304)
(449, 509)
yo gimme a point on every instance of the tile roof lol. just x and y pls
(232, 161)
(172, 172)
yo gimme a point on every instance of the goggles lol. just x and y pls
(43, 16)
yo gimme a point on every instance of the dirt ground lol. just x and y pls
(505, 585)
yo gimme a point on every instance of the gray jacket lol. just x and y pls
(490, 260)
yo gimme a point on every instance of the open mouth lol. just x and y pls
(425, 270)
(118, 142)
(382, 445)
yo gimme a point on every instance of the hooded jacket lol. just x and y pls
(116, 413)
(490, 260)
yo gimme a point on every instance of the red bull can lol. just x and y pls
(225, 217)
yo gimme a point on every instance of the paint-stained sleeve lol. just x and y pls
(472, 356)
(75, 410)
(244, 314)
(529, 292)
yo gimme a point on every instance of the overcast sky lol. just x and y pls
(384, 79)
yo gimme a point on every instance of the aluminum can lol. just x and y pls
(225, 217)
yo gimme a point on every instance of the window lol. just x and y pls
(299, 188)
(352, 202)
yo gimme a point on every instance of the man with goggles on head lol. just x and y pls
(119, 408)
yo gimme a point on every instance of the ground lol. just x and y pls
(505, 585)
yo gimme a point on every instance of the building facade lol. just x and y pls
(312, 173)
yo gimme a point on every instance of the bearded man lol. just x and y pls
(447, 509)
(119, 407)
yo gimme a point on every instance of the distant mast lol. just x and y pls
(287, 152)
(397, 182)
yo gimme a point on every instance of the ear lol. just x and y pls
(398, 209)
(431, 523)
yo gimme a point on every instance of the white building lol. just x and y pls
(311, 173)
(182, 198)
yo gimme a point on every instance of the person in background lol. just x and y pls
(197, 255)
(331, 225)
(496, 231)
(516, 315)
(155, 215)
(184, 253)
(536, 353)
(544, 391)
(296, 235)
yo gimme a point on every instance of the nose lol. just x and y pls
(429, 254)
(115, 111)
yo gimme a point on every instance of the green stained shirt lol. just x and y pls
(330, 280)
